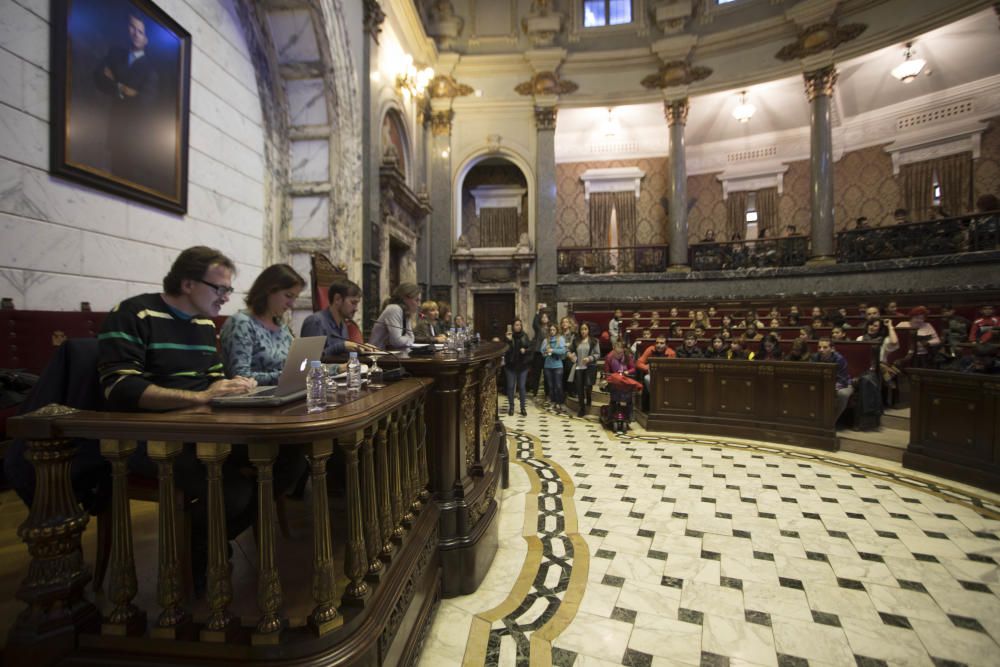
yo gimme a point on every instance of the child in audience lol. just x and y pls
(986, 328)
(716, 349)
(799, 351)
(737, 350)
(837, 334)
(752, 335)
(770, 349)
(675, 330)
(673, 313)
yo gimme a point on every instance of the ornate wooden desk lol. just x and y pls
(467, 458)
(368, 606)
(778, 401)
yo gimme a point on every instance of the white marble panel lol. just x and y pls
(594, 636)
(39, 246)
(11, 79)
(38, 7)
(712, 599)
(224, 179)
(24, 33)
(600, 599)
(214, 142)
(241, 93)
(843, 602)
(294, 39)
(34, 290)
(221, 31)
(662, 636)
(957, 644)
(111, 257)
(216, 111)
(812, 641)
(209, 206)
(35, 82)
(884, 642)
(306, 101)
(648, 571)
(659, 600)
(776, 600)
(310, 161)
(23, 138)
(445, 643)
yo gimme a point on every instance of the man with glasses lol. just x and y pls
(157, 352)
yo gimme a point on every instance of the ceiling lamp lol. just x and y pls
(744, 111)
(908, 70)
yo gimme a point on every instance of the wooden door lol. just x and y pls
(493, 312)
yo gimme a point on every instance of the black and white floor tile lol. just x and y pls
(712, 551)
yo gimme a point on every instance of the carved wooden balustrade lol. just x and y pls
(390, 553)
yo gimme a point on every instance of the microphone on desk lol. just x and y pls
(371, 350)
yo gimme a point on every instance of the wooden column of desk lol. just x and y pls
(466, 450)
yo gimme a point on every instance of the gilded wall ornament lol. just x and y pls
(545, 118)
(820, 82)
(676, 73)
(818, 38)
(546, 83)
(676, 111)
(444, 85)
(441, 122)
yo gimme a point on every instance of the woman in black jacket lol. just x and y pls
(584, 356)
(516, 362)
(540, 329)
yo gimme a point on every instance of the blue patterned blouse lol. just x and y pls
(251, 350)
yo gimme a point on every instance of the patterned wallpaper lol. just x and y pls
(986, 174)
(492, 174)
(572, 228)
(862, 180)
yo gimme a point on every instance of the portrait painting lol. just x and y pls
(120, 93)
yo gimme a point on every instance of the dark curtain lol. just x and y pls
(498, 227)
(955, 178)
(600, 218)
(736, 216)
(767, 212)
(918, 184)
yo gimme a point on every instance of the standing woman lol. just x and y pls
(540, 328)
(567, 329)
(615, 325)
(553, 349)
(584, 360)
(393, 330)
(516, 362)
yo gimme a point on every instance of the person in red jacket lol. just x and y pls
(986, 328)
(658, 349)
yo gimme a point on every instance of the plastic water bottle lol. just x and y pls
(315, 387)
(452, 340)
(353, 374)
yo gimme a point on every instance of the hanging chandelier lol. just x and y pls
(908, 70)
(744, 111)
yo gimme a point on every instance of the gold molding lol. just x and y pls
(545, 118)
(676, 73)
(820, 82)
(441, 122)
(676, 111)
(444, 85)
(374, 16)
(818, 38)
(546, 83)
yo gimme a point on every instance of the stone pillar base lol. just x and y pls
(821, 260)
(678, 268)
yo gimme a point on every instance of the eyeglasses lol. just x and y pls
(220, 290)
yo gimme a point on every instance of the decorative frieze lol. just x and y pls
(676, 111)
(676, 73)
(546, 83)
(820, 82)
(545, 118)
(819, 37)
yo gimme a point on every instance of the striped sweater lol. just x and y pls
(144, 341)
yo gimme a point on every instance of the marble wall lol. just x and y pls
(986, 170)
(490, 175)
(62, 243)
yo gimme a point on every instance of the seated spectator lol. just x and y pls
(861, 223)
(342, 334)
(956, 330)
(817, 313)
(675, 330)
(818, 323)
(773, 314)
(460, 322)
(924, 337)
(983, 360)
(752, 335)
(775, 323)
(881, 331)
(891, 310)
(428, 327)
(986, 327)
(872, 313)
(393, 330)
(774, 332)
(647, 336)
(657, 349)
(444, 314)
(794, 310)
(799, 351)
(673, 313)
(790, 230)
(826, 354)
(690, 349)
(770, 349)
(725, 334)
(901, 216)
(700, 318)
(620, 361)
(636, 316)
(738, 351)
(793, 319)
(655, 315)
(634, 324)
(837, 333)
(709, 236)
(862, 309)
(711, 313)
(699, 331)
(727, 322)
(806, 333)
(716, 349)
(985, 226)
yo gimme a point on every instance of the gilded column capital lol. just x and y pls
(820, 82)
(676, 111)
(545, 118)
(374, 16)
(441, 122)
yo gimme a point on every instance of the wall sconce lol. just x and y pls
(908, 70)
(744, 111)
(410, 81)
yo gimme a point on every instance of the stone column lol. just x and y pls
(819, 89)
(545, 203)
(370, 213)
(676, 112)
(442, 235)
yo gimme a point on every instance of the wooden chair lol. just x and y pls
(322, 272)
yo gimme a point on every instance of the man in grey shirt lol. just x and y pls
(342, 334)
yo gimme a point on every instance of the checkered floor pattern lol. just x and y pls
(707, 551)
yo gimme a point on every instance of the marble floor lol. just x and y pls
(666, 549)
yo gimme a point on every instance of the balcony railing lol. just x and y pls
(948, 236)
(788, 251)
(621, 259)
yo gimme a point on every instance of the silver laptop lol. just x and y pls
(292, 382)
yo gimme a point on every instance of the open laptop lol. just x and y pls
(292, 383)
